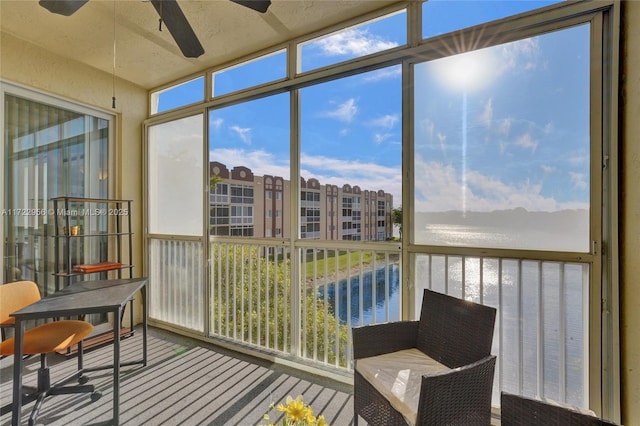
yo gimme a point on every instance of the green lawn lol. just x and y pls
(343, 259)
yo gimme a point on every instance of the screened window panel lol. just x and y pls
(175, 177)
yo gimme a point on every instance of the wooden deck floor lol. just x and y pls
(185, 382)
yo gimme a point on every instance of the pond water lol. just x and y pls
(374, 309)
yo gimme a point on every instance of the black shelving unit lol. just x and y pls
(93, 239)
(79, 219)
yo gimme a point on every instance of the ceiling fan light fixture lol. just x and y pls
(173, 18)
(257, 5)
(62, 7)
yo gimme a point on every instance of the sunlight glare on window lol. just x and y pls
(501, 140)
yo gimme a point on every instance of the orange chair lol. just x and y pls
(50, 337)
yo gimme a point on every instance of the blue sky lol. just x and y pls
(499, 128)
(505, 127)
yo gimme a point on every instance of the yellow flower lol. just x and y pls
(294, 410)
(309, 417)
(296, 413)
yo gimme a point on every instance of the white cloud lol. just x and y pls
(526, 141)
(487, 113)
(387, 121)
(368, 176)
(344, 112)
(438, 187)
(260, 162)
(427, 126)
(243, 133)
(505, 126)
(216, 123)
(443, 141)
(547, 169)
(381, 137)
(578, 180)
(521, 55)
(578, 159)
(353, 42)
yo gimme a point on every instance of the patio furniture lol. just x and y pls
(43, 339)
(81, 298)
(438, 370)
(518, 410)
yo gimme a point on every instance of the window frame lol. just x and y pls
(604, 387)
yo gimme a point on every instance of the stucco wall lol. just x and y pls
(27, 65)
(630, 217)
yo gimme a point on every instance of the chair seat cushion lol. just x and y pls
(50, 337)
(398, 376)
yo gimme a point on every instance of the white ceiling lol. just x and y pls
(150, 58)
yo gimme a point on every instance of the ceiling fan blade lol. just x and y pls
(179, 27)
(62, 7)
(257, 5)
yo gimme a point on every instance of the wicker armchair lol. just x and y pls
(445, 367)
(522, 411)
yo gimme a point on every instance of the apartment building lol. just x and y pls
(244, 204)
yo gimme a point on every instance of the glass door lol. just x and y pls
(49, 151)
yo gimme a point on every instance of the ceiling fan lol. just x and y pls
(170, 14)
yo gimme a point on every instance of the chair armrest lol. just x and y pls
(458, 396)
(523, 411)
(378, 339)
